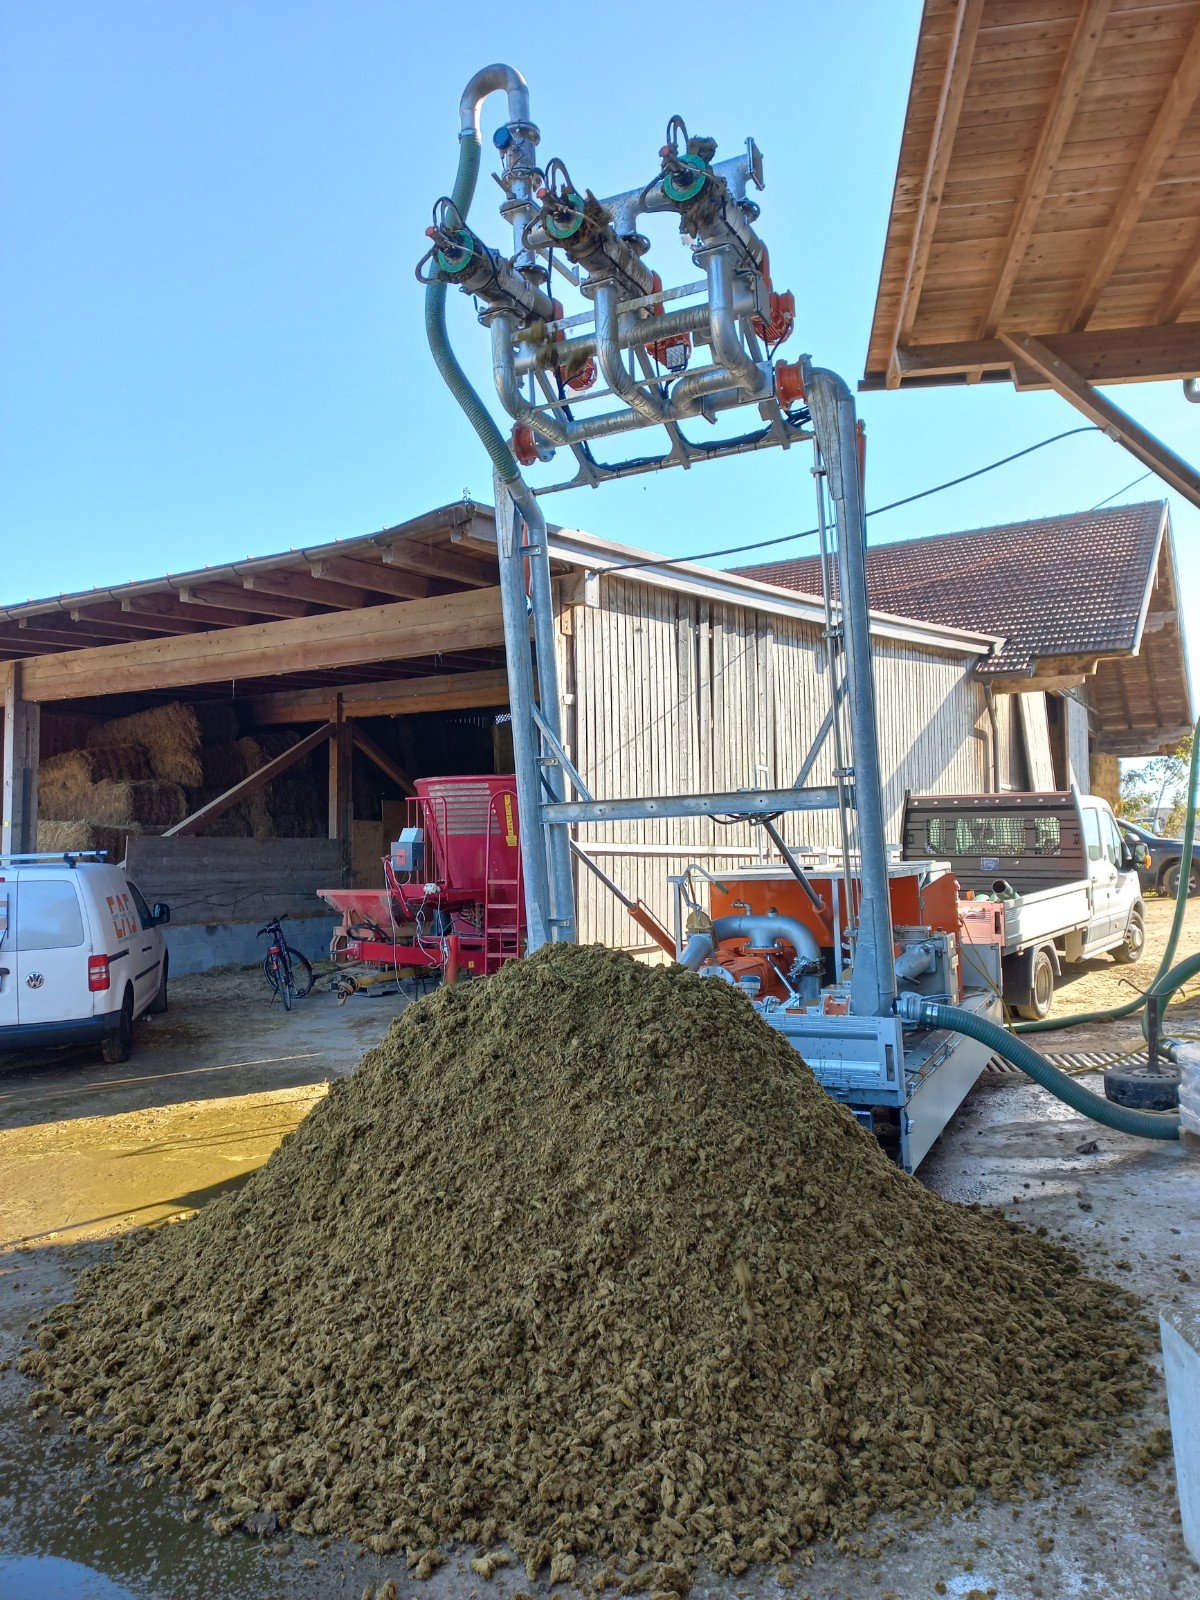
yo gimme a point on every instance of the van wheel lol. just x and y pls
(1135, 941)
(1041, 989)
(117, 1046)
(159, 1005)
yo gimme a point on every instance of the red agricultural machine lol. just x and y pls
(451, 901)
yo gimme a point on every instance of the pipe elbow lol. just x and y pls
(489, 80)
(697, 951)
(763, 932)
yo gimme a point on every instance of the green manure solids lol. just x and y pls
(581, 1261)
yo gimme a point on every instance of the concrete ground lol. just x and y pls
(87, 1152)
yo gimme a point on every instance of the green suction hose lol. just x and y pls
(1132, 1007)
(457, 381)
(1146, 1124)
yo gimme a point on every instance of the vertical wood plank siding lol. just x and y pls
(675, 695)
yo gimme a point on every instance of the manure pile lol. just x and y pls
(581, 1260)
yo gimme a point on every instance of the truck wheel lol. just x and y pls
(1169, 882)
(117, 1046)
(1135, 941)
(1041, 989)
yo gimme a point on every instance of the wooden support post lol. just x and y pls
(341, 790)
(22, 729)
(1118, 424)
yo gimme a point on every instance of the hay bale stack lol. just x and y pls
(93, 763)
(583, 1260)
(53, 836)
(147, 802)
(294, 805)
(170, 735)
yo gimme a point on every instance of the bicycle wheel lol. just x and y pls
(302, 973)
(280, 980)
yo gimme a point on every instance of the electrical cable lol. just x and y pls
(1130, 485)
(876, 511)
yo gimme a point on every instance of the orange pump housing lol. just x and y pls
(931, 905)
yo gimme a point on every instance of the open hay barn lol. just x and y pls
(246, 734)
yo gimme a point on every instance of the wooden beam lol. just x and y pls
(453, 691)
(1078, 60)
(403, 630)
(167, 608)
(1118, 424)
(381, 759)
(136, 624)
(1160, 142)
(22, 732)
(217, 597)
(63, 626)
(374, 575)
(439, 563)
(1101, 355)
(950, 103)
(294, 585)
(1184, 282)
(265, 774)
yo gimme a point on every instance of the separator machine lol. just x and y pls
(821, 952)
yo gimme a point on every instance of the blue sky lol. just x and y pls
(210, 333)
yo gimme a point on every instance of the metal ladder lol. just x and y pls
(501, 901)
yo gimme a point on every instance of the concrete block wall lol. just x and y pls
(201, 947)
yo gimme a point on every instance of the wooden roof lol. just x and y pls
(1048, 187)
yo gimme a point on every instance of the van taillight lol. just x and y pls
(97, 973)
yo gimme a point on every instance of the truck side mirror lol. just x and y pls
(160, 912)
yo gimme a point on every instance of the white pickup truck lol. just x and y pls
(1057, 868)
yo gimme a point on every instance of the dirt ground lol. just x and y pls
(88, 1152)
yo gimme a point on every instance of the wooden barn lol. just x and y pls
(245, 734)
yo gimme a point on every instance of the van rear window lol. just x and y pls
(48, 916)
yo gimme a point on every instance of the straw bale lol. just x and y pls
(149, 801)
(171, 736)
(224, 765)
(53, 835)
(93, 763)
(582, 1262)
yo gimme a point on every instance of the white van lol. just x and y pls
(81, 954)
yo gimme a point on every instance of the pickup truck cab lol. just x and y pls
(82, 956)
(1062, 877)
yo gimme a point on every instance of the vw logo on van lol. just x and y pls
(35, 980)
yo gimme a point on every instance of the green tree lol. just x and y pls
(1156, 784)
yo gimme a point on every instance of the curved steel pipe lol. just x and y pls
(648, 403)
(763, 931)
(487, 81)
(722, 322)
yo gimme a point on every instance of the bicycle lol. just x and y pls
(282, 964)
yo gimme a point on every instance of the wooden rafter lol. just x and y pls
(439, 563)
(374, 575)
(954, 84)
(1080, 54)
(218, 597)
(268, 771)
(1168, 124)
(1183, 284)
(168, 608)
(1118, 424)
(291, 584)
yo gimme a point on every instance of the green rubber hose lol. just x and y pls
(1146, 1124)
(1132, 1007)
(457, 381)
(1165, 985)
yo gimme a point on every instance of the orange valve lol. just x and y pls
(789, 383)
(782, 320)
(583, 377)
(524, 444)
